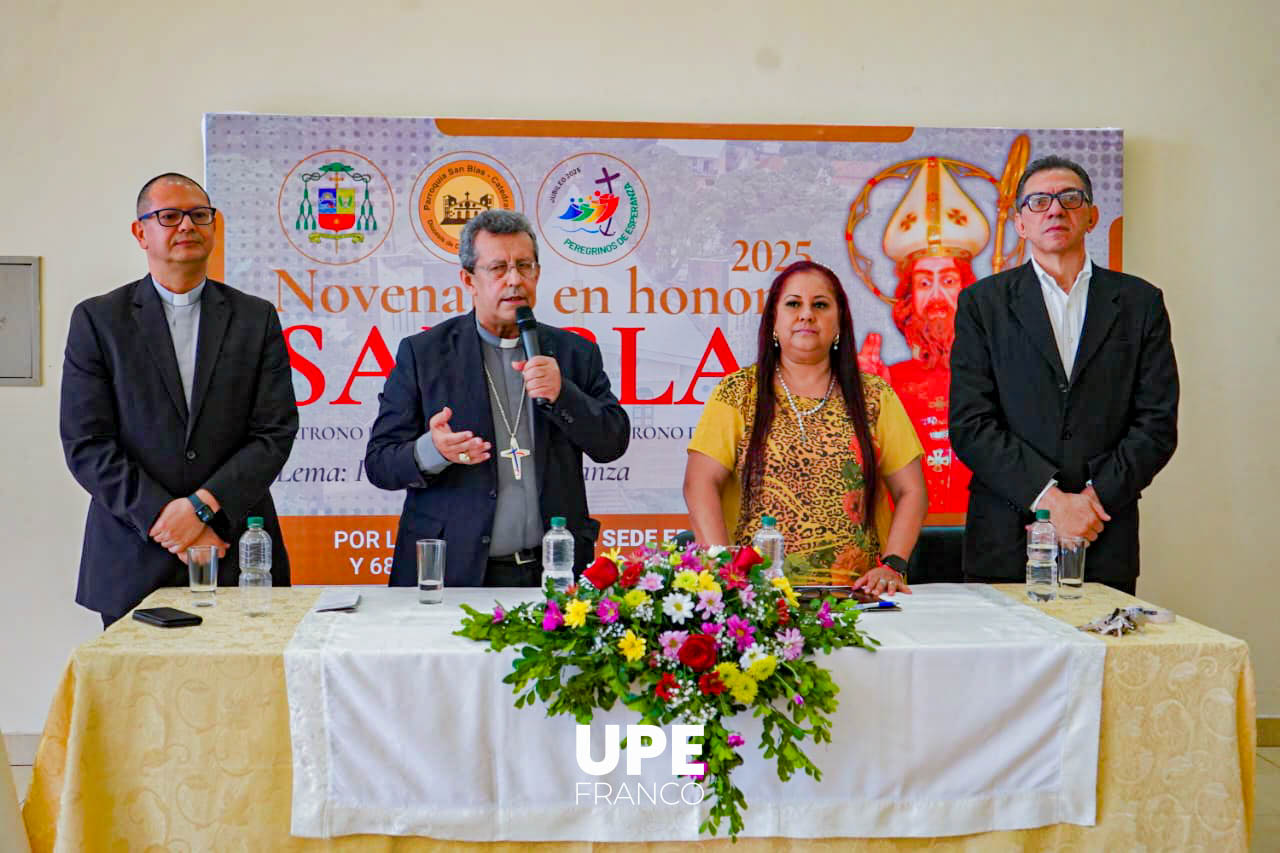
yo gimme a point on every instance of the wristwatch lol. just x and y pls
(896, 563)
(203, 512)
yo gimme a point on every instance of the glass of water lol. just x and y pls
(1071, 566)
(431, 571)
(202, 572)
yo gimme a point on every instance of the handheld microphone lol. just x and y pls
(529, 337)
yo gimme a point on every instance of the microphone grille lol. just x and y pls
(524, 316)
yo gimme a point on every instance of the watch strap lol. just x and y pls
(203, 512)
(896, 563)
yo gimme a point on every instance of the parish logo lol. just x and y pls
(454, 189)
(336, 207)
(593, 209)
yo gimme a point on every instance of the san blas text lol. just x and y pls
(374, 360)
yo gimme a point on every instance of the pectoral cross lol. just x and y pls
(515, 454)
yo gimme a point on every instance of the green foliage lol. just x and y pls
(588, 648)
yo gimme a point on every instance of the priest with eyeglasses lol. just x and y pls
(487, 437)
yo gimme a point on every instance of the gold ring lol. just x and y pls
(463, 457)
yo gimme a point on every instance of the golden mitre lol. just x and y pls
(936, 218)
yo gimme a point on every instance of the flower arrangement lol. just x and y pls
(688, 635)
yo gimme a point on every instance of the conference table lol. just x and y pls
(180, 740)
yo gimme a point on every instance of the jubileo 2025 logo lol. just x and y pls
(593, 209)
(336, 206)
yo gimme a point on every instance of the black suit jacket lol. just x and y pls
(444, 367)
(131, 443)
(1018, 420)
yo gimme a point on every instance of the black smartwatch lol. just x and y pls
(896, 563)
(203, 512)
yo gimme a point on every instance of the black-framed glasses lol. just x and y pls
(170, 217)
(1040, 202)
(526, 269)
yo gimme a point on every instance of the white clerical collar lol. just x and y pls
(191, 297)
(1082, 277)
(493, 340)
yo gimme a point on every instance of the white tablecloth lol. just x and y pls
(976, 713)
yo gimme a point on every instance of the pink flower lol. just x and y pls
(671, 641)
(798, 699)
(741, 630)
(498, 613)
(552, 618)
(607, 611)
(824, 615)
(747, 595)
(792, 642)
(689, 560)
(735, 740)
(710, 602)
(652, 582)
(712, 628)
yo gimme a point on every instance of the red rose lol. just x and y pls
(784, 612)
(631, 574)
(746, 558)
(710, 684)
(665, 685)
(601, 573)
(698, 652)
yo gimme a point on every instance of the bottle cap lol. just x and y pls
(557, 521)
(1042, 515)
(255, 521)
(768, 520)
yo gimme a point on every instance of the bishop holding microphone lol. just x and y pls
(485, 418)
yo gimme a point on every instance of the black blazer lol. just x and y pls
(131, 443)
(443, 367)
(1017, 420)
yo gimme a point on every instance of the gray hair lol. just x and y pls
(494, 222)
(1053, 161)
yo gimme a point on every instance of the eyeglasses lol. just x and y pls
(1040, 202)
(170, 217)
(526, 269)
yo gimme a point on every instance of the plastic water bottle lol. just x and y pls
(1042, 559)
(557, 556)
(768, 541)
(255, 569)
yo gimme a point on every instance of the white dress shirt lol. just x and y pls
(1066, 310)
(1066, 317)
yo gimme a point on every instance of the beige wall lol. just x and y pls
(94, 102)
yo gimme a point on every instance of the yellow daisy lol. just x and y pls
(631, 646)
(575, 613)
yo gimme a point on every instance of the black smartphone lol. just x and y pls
(167, 617)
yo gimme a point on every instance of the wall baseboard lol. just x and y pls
(21, 749)
(1269, 731)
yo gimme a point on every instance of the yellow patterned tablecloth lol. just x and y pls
(178, 740)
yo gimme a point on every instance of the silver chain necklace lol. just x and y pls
(800, 416)
(514, 452)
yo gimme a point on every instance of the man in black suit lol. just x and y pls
(467, 385)
(1064, 391)
(177, 411)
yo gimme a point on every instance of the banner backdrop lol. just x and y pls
(658, 241)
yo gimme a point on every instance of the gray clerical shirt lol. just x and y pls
(517, 519)
(182, 313)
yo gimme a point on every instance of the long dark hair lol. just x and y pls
(844, 366)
